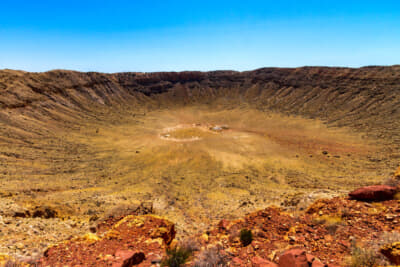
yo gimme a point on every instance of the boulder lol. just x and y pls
(128, 258)
(310, 258)
(294, 258)
(260, 262)
(392, 252)
(299, 258)
(374, 193)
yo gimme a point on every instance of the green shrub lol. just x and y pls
(246, 237)
(176, 257)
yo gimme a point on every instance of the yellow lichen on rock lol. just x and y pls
(125, 219)
(112, 234)
(159, 240)
(89, 237)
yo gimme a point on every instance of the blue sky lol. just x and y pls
(114, 36)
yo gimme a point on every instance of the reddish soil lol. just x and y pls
(274, 232)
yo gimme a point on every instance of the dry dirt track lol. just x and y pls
(85, 143)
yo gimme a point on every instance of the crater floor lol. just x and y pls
(197, 161)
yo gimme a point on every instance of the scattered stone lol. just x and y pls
(294, 258)
(317, 263)
(9, 208)
(390, 217)
(223, 224)
(154, 258)
(128, 258)
(260, 262)
(20, 245)
(216, 128)
(45, 212)
(145, 233)
(374, 193)
(237, 261)
(219, 128)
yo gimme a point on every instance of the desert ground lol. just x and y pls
(196, 162)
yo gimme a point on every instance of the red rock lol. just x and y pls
(294, 258)
(374, 193)
(260, 262)
(143, 233)
(223, 224)
(237, 261)
(310, 257)
(128, 258)
(166, 232)
(344, 243)
(317, 263)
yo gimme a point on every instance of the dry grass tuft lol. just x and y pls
(211, 257)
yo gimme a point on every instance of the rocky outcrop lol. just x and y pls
(319, 236)
(132, 240)
(374, 193)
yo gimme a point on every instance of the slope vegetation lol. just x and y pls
(199, 146)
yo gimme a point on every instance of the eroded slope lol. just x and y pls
(85, 143)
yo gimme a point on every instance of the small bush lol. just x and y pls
(211, 257)
(371, 256)
(190, 245)
(392, 181)
(176, 257)
(362, 257)
(246, 237)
